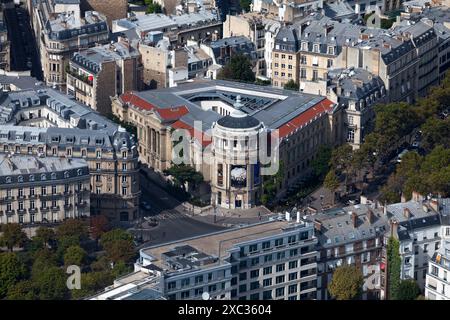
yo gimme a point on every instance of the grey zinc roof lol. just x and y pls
(23, 166)
(356, 83)
(92, 58)
(337, 228)
(156, 21)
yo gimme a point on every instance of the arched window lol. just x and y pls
(43, 176)
(31, 177)
(8, 179)
(53, 176)
(79, 172)
(20, 179)
(66, 174)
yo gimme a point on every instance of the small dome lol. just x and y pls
(238, 122)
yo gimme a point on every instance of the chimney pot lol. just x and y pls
(406, 213)
(354, 219)
(434, 204)
(370, 216)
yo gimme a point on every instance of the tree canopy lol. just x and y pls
(239, 68)
(291, 85)
(408, 290)
(13, 236)
(12, 270)
(347, 283)
(183, 173)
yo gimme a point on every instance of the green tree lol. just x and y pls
(75, 255)
(393, 267)
(331, 182)
(92, 283)
(118, 245)
(72, 228)
(239, 68)
(12, 270)
(120, 250)
(435, 132)
(23, 290)
(245, 5)
(346, 283)
(321, 163)
(46, 235)
(183, 173)
(408, 290)
(13, 236)
(43, 259)
(120, 269)
(341, 162)
(64, 243)
(291, 85)
(51, 284)
(153, 7)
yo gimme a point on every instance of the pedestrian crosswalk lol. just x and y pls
(167, 215)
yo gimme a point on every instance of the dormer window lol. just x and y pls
(305, 46)
(8, 179)
(330, 50)
(43, 177)
(124, 154)
(20, 179)
(316, 48)
(31, 177)
(66, 175)
(79, 172)
(53, 176)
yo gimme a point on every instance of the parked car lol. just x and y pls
(401, 154)
(146, 205)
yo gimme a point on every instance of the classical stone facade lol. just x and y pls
(42, 189)
(61, 31)
(298, 125)
(96, 74)
(47, 123)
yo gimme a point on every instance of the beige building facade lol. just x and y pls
(36, 189)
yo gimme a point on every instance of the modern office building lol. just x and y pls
(42, 189)
(270, 260)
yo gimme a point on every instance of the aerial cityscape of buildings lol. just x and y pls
(193, 124)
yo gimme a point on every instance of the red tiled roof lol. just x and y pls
(323, 106)
(131, 98)
(206, 140)
(172, 113)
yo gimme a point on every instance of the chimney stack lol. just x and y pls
(370, 216)
(417, 197)
(317, 225)
(298, 216)
(434, 204)
(403, 198)
(394, 228)
(406, 213)
(288, 216)
(354, 219)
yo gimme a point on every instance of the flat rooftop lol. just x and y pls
(218, 244)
